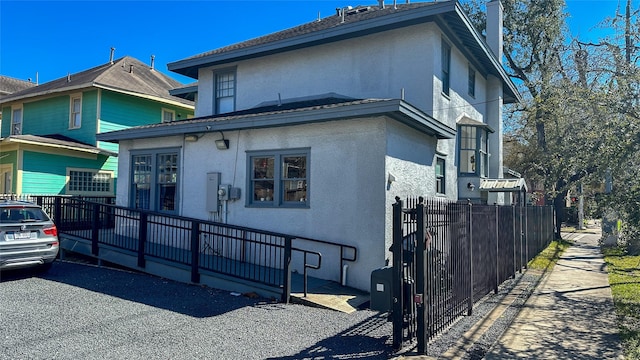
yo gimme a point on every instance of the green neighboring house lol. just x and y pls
(48, 134)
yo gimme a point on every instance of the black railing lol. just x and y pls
(259, 256)
(448, 254)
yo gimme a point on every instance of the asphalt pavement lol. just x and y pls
(81, 311)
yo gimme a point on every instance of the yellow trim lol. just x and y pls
(19, 165)
(4, 168)
(144, 96)
(38, 147)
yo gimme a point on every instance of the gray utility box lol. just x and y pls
(381, 289)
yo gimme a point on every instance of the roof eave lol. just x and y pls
(95, 151)
(189, 67)
(399, 110)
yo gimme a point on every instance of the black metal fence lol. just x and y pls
(448, 254)
(244, 253)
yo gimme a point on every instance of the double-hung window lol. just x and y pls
(278, 178)
(16, 121)
(446, 66)
(75, 112)
(472, 82)
(474, 150)
(440, 176)
(225, 91)
(154, 180)
(168, 115)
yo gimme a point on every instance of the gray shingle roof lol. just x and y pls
(357, 14)
(126, 74)
(9, 85)
(360, 21)
(289, 114)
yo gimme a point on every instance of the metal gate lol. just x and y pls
(447, 253)
(432, 271)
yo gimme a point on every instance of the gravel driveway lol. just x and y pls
(79, 311)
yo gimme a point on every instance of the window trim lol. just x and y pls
(441, 177)
(472, 82)
(72, 123)
(154, 193)
(278, 179)
(13, 120)
(95, 172)
(216, 74)
(481, 155)
(165, 110)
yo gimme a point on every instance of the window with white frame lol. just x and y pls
(225, 91)
(473, 150)
(446, 66)
(278, 178)
(75, 112)
(16, 121)
(89, 182)
(154, 180)
(168, 115)
(440, 175)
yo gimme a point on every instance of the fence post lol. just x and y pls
(420, 279)
(142, 239)
(515, 256)
(470, 299)
(396, 280)
(286, 286)
(195, 251)
(95, 227)
(57, 213)
(497, 262)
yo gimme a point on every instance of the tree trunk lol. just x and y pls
(558, 206)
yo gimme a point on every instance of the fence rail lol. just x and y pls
(239, 252)
(448, 254)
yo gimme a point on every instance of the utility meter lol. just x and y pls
(223, 192)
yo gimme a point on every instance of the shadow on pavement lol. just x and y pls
(357, 337)
(192, 300)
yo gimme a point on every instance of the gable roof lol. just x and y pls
(331, 108)
(56, 141)
(125, 75)
(9, 85)
(361, 21)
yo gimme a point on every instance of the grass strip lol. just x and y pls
(549, 256)
(624, 278)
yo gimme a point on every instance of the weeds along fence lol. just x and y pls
(449, 254)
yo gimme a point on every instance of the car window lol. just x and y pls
(13, 215)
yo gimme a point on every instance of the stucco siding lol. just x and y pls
(374, 66)
(347, 184)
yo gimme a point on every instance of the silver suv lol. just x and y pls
(28, 237)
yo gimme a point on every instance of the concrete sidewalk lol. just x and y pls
(570, 315)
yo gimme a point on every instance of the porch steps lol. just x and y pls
(328, 295)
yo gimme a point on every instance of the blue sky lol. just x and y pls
(53, 38)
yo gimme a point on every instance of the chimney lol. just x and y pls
(381, 4)
(68, 77)
(495, 27)
(153, 58)
(111, 55)
(131, 69)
